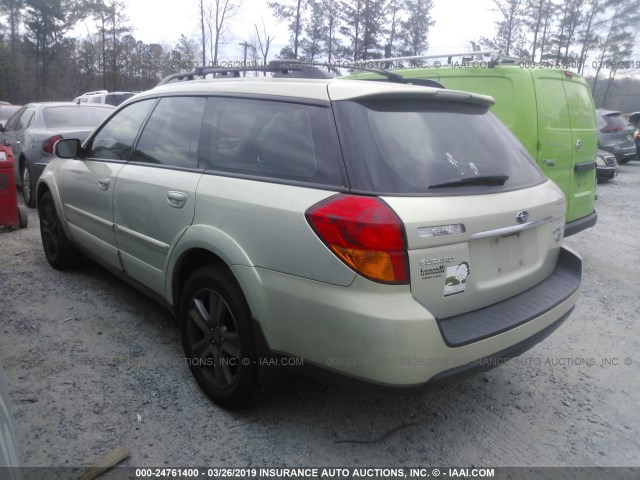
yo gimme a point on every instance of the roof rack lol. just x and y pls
(279, 68)
(477, 55)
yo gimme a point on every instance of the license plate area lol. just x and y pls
(508, 252)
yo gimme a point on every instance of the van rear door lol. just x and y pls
(585, 141)
(567, 138)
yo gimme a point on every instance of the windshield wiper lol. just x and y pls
(488, 180)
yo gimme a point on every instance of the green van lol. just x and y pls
(550, 110)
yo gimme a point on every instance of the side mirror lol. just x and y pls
(67, 148)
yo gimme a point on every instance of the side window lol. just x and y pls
(115, 139)
(172, 134)
(271, 139)
(25, 119)
(13, 120)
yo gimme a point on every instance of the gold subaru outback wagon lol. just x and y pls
(345, 225)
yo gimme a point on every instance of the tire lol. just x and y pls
(217, 336)
(23, 216)
(60, 253)
(28, 186)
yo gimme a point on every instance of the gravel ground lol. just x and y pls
(94, 365)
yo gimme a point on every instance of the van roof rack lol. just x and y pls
(279, 68)
(478, 55)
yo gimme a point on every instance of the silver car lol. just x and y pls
(32, 131)
(339, 226)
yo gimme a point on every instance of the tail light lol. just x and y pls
(365, 233)
(637, 136)
(611, 129)
(49, 143)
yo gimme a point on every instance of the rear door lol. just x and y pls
(155, 191)
(584, 139)
(555, 137)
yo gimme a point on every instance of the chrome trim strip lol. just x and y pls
(513, 229)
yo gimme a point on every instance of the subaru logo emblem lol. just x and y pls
(522, 216)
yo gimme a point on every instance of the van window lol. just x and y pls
(580, 106)
(272, 139)
(422, 147)
(172, 133)
(552, 105)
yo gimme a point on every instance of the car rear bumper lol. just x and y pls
(580, 224)
(388, 339)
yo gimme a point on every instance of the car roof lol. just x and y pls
(67, 104)
(313, 89)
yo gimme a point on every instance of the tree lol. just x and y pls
(13, 9)
(184, 55)
(362, 26)
(117, 27)
(46, 23)
(537, 20)
(219, 13)
(415, 29)
(292, 11)
(394, 18)
(315, 29)
(510, 25)
(262, 42)
(623, 18)
(571, 17)
(588, 36)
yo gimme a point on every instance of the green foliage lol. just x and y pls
(39, 60)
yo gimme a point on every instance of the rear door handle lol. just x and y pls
(104, 183)
(176, 199)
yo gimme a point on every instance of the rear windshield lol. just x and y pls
(74, 116)
(616, 120)
(429, 147)
(116, 99)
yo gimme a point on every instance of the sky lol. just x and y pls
(155, 21)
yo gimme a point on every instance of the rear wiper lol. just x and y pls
(488, 180)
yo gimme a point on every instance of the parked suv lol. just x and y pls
(616, 135)
(341, 224)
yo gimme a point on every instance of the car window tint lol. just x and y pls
(74, 116)
(172, 134)
(115, 139)
(407, 146)
(272, 139)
